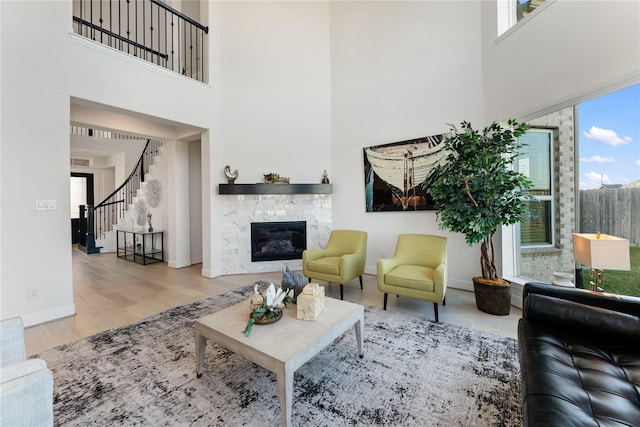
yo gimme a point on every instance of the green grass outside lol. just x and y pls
(621, 282)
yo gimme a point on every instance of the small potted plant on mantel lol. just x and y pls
(475, 191)
(274, 178)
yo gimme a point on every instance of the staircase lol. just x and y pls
(127, 206)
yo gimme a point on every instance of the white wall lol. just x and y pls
(399, 70)
(273, 79)
(567, 52)
(36, 249)
(195, 201)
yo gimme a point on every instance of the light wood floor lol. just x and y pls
(111, 292)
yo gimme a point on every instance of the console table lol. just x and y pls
(142, 247)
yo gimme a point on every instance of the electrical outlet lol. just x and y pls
(32, 293)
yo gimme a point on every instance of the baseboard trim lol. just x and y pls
(179, 264)
(49, 315)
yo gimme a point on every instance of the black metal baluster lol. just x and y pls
(151, 29)
(173, 56)
(82, 17)
(191, 50)
(101, 22)
(184, 38)
(110, 22)
(201, 68)
(93, 33)
(128, 26)
(159, 34)
(120, 22)
(179, 50)
(136, 24)
(144, 28)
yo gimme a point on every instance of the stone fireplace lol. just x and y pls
(238, 211)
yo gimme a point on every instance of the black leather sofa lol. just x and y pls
(579, 357)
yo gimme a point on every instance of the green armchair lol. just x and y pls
(341, 261)
(418, 269)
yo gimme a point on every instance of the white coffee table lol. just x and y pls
(281, 347)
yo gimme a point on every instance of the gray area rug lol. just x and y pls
(415, 373)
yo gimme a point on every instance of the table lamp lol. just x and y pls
(599, 252)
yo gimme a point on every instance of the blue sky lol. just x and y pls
(609, 138)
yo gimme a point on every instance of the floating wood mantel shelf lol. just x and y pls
(275, 188)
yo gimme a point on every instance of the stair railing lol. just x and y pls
(110, 210)
(148, 29)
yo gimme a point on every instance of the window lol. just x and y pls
(535, 161)
(510, 12)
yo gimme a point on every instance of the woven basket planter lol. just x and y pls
(493, 299)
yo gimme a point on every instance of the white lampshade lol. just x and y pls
(601, 251)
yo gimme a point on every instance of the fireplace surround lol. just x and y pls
(238, 211)
(279, 240)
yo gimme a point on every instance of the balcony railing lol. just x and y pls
(148, 29)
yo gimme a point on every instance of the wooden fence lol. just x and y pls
(614, 211)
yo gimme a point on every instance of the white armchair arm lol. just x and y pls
(26, 400)
(10, 373)
(12, 348)
(26, 386)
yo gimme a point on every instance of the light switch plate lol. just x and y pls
(45, 205)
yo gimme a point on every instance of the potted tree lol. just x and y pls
(475, 191)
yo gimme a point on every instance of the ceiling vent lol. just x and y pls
(81, 161)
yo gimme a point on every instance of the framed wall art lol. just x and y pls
(394, 173)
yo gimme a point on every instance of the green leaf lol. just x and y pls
(249, 327)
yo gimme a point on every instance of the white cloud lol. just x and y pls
(606, 136)
(637, 162)
(597, 159)
(594, 179)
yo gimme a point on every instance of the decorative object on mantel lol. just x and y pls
(266, 306)
(325, 177)
(231, 177)
(310, 302)
(149, 221)
(275, 178)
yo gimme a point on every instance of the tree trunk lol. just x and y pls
(488, 258)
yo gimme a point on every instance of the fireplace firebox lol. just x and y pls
(273, 241)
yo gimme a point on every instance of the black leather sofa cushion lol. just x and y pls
(580, 363)
(570, 316)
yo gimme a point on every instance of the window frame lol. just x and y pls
(550, 198)
(507, 19)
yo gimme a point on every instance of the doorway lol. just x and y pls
(81, 190)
